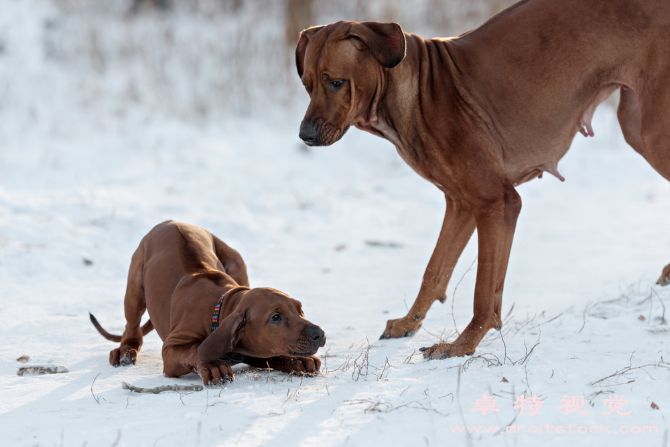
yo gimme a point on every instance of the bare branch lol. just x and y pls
(160, 389)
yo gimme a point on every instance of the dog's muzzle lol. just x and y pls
(309, 133)
(311, 339)
(316, 336)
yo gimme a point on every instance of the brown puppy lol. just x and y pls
(479, 114)
(178, 274)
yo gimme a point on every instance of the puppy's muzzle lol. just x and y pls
(316, 336)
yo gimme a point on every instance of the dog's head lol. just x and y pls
(342, 66)
(264, 323)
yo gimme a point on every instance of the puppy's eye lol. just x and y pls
(276, 318)
(334, 86)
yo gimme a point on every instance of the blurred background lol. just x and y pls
(195, 60)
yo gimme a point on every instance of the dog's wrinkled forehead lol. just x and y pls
(263, 300)
(329, 49)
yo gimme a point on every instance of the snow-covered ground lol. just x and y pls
(80, 186)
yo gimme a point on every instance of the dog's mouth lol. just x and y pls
(325, 134)
(304, 354)
(304, 346)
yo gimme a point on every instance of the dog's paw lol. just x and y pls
(214, 372)
(664, 280)
(402, 327)
(123, 356)
(300, 366)
(445, 350)
(309, 366)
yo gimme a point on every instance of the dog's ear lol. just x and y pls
(386, 41)
(301, 48)
(223, 339)
(298, 307)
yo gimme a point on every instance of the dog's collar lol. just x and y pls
(217, 312)
(232, 357)
(217, 308)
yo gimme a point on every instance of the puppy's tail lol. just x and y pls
(146, 328)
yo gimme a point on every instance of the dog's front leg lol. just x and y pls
(496, 220)
(179, 360)
(457, 229)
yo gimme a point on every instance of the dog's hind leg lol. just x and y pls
(457, 228)
(651, 137)
(232, 262)
(630, 119)
(134, 306)
(664, 280)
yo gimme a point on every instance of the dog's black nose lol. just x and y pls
(308, 133)
(316, 334)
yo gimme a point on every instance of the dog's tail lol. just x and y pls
(148, 327)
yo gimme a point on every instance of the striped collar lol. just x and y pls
(216, 316)
(217, 312)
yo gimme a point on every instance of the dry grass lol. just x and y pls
(624, 373)
(379, 406)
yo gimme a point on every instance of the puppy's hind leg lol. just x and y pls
(134, 305)
(664, 280)
(232, 262)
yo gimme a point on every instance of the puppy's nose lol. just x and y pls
(308, 132)
(316, 334)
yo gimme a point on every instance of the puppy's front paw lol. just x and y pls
(214, 372)
(299, 366)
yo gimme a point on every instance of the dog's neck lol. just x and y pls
(232, 294)
(428, 79)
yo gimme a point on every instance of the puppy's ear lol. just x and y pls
(223, 339)
(298, 307)
(301, 48)
(386, 41)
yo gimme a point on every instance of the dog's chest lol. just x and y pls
(416, 157)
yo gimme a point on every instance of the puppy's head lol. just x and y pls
(264, 323)
(341, 66)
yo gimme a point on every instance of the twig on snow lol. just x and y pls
(386, 364)
(96, 398)
(385, 407)
(660, 301)
(118, 438)
(490, 361)
(460, 408)
(548, 321)
(40, 370)
(159, 389)
(622, 372)
(453, 297)
(589, 306)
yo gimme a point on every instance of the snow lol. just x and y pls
(80, 181)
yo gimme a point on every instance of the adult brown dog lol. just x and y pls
(481, 113)
(178, 273)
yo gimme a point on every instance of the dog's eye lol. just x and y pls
(276, 318)
(334, 86)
